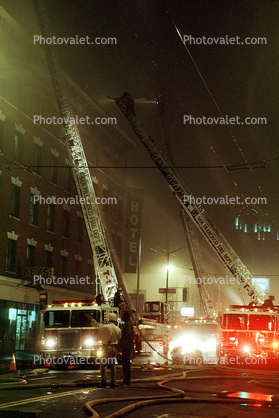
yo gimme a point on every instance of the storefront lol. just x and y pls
(19, 329)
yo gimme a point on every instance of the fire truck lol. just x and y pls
(197, 333)
(70, 332)
(103, 263)
(153, 329)
(69, 338)
(249, 332)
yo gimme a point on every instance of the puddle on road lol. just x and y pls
(250, 395)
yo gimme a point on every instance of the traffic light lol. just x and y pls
(185, 294)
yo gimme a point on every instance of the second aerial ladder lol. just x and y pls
(247, 285)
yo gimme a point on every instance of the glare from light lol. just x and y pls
(246, 349)
(169, 267)
(188, 343)
(50, 342)
(88, 341)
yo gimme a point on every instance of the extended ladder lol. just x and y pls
(103, 265)
(196, 213)
(193, 246)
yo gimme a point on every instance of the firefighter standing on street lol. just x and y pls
(110, 335)
(126, 344)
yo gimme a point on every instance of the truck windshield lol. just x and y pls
(262, 322)
(57, 319)
(236, 321)
(85, 318)
(152, 307)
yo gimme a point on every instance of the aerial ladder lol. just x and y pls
(195, 255)
(248, 287)
(103, 264)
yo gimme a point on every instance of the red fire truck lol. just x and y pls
(249, 332)
(70, 332)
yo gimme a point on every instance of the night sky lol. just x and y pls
(150, 60)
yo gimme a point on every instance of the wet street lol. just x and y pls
(205, 391)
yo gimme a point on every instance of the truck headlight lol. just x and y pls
(50, 342)
(88, 341)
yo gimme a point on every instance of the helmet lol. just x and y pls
(112, 317)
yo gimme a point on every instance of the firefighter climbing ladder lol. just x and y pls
(193, 246)
(196, 213)
(103, 265)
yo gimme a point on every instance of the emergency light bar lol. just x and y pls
(74, 302)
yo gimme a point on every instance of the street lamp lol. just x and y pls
(169, 267)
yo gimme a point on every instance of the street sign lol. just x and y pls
(164, 290)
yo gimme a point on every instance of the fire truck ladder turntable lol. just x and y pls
(104, 269)
(197, 214)
(193, 246)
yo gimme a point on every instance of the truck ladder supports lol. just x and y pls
(197, 214)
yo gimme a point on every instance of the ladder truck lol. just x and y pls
(103, 263)
(249, 288)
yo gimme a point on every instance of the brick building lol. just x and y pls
(39, 238)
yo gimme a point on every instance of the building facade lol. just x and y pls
(45, 247)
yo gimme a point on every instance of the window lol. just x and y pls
(50, 217)
(63, 266)
(79, 229)
(53, 169)
(37, 160)
(18, 147)
(33, 214)
(236, 321)
(85, 318)
(66, 223)
(30, 256)
(68, 180)
(15, 201)
(262, 322)
(48, 258)
(55, 319)
(11, 256)
(77, 267)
